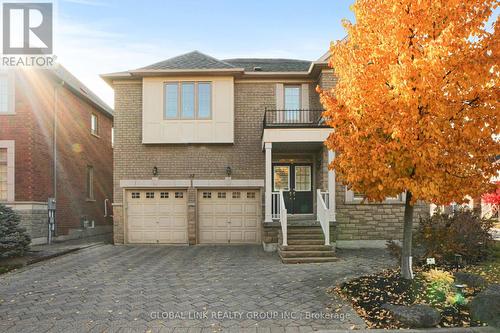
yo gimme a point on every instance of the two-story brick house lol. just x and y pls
(212, 151)
(55, 142)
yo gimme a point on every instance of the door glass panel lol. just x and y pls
(292, 104)
(303, 178)
(281, 177)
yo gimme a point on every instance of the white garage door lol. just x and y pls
(228, 216)
(157, 216)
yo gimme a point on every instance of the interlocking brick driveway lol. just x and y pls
(120, 288)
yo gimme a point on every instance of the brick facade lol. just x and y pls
(38, 94)
(135, 161)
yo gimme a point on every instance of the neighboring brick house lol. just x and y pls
(55, 142)
(204, 146)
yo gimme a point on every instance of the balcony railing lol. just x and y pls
(293, 118)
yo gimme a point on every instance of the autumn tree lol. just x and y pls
(415, 108)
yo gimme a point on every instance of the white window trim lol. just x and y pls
(179, 101)
(350, 199)
(274, 179)
(11, 92)
(10, 146)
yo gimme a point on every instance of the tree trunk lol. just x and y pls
(406, 258)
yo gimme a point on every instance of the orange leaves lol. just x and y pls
(416, 103)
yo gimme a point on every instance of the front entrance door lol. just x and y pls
(296, 182)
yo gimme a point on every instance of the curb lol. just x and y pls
(60, 253)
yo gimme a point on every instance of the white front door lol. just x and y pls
(229, 216)
(157, 216)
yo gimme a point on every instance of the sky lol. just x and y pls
(93, 37)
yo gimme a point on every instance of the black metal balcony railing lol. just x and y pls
(293, 118)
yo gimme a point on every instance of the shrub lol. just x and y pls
(440, 290)
(443, 236)
(14, 240)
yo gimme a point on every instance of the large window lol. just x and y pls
(3, 174)
(188, 100)
(90, 183)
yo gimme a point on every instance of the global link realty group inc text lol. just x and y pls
(243, 315)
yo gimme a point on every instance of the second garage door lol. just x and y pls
(157, 216)
(228, 216)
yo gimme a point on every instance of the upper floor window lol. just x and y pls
(7, 93)
(3, 174)
(94, 125)
(188, 100)
(90, 182)
(292, 98)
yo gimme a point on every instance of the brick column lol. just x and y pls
(191, 215)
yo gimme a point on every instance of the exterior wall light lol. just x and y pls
(155, 171)
(229, 171)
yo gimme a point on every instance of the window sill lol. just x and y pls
(96, 135)
(90, 200)
(10, 113)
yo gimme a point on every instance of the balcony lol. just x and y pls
(294, 119)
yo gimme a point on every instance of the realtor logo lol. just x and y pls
(27, 28)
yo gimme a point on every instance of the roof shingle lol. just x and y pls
(270, 65)
(191, 60)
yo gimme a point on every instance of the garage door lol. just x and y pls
(157, 216)
(228, 216)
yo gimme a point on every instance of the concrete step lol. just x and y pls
(305, 241)
(305, 236)
(306, 254)
(308, 260)
(305, 231)
(306, 247)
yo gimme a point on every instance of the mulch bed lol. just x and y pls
(369, 293)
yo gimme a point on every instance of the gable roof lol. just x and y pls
(270, 65)
(191, 60)
(80, 89)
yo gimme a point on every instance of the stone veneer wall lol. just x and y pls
(34, 217)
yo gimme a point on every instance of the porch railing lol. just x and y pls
(283, 219)
(293, 118)
(275, 205)
(323, 214)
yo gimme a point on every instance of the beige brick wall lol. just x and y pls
(133, 160)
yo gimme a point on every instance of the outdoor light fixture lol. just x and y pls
(229, 171)
(458, 261)
(155, 171)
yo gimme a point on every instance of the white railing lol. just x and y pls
(275, 205)
(283, 219)
(326, 198)
(323, 214)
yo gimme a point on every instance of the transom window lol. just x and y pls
(221, 195)
(188, 100)
(150, 195)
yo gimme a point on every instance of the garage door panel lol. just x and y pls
(156, 217)
(236, 208)
(216, 211)
(251, 209)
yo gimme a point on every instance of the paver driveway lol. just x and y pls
(122, 288)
